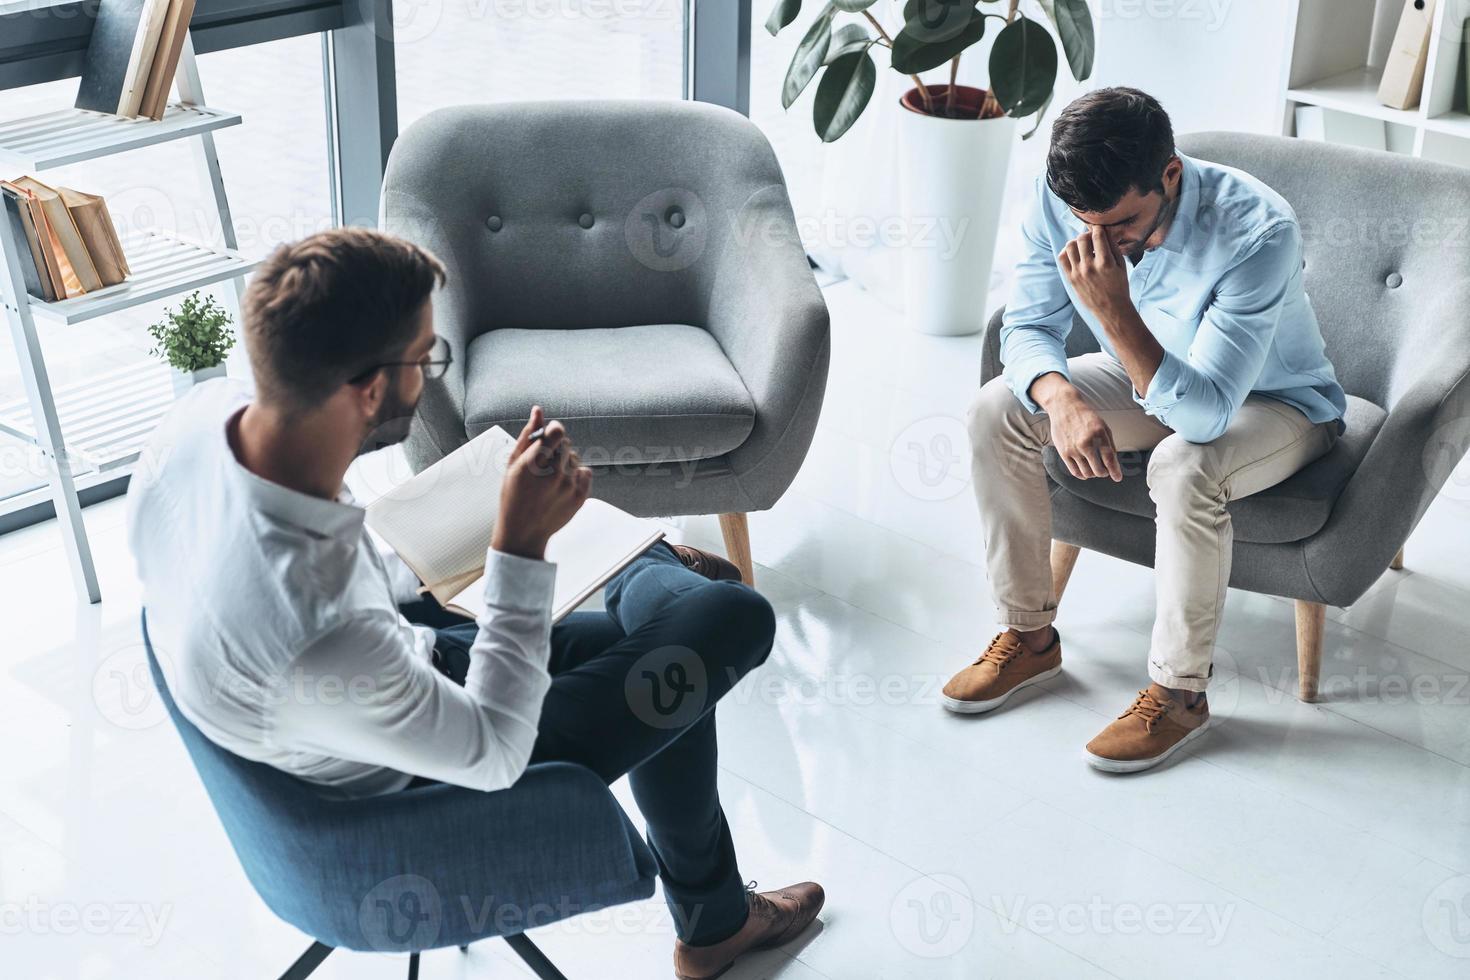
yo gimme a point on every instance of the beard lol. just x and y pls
(392, 423)
(1165, 215)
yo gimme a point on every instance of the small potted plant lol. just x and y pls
(193, 340)
(955, 139)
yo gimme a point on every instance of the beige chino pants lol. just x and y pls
(1190, 483)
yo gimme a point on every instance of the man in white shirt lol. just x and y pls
(277, 624)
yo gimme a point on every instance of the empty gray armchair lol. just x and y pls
(635, 269)
(1387, 247)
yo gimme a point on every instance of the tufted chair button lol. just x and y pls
(1395, 280)
(676, 217)
(493, 222)
(585, 221)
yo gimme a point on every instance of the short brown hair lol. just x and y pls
(320, 311)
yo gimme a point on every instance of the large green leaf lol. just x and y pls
(935, 34)
(782, 14)
(843, 93)
(808, 57)
(1023, 66)
(847, 39)
(1074, 26)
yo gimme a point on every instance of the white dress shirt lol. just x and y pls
(273, 617)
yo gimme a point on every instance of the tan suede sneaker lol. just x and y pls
(1156, 726)
(775, 918)
(1004, 668)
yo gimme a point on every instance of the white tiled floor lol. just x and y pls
(1297, 840)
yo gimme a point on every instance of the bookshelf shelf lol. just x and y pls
(1354, 91)
(162, 266)
(107, 418)
(54, 139)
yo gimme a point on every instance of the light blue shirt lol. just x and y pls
(1223, 295)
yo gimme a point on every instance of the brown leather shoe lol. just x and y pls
(1158, 724)
(710, 565)
(775, 918)
(1004, 668)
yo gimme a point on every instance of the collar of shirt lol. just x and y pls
(341, 519)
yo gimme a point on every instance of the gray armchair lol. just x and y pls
(634, 268)
(1388, 269)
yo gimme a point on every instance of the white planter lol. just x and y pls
(953, 175)
(184, 380)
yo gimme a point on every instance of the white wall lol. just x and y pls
(1213, 64)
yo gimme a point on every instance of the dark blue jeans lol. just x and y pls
(633, 692)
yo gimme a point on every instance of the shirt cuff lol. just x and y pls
(1023, 391)
(1166, 387)
(515, 582)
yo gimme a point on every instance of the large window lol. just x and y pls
(451, 52)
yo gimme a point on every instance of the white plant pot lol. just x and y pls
(953, 175)
(184, 380)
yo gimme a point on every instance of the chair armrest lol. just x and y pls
(1425, 436)
(770, 319)
(446, 866)
(990, 365)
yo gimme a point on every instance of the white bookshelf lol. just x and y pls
(96, 426)
(1335, 57)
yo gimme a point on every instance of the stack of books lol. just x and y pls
(73, 246)
(133, 55)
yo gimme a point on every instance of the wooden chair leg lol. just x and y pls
(1398, 561)
(1310, 617)
(736, 531)
(1063, 557)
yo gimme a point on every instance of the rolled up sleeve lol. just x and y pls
(1039, 311)
(1198, 395)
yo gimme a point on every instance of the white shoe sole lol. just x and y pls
(1138, 765)
(980, 707)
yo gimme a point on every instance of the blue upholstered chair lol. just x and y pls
(427, 867)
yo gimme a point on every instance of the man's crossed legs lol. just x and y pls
(1190, 484)
(633, 692)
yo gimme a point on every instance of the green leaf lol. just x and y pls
(843, 93)
(782, 14)
(847, 39)
(1074, 26)
(926, 43)
(853, 6)
(1023, 66)
(808, 57)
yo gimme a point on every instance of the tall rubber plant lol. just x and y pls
(1023, 55)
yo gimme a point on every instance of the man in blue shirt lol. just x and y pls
(1189, 274)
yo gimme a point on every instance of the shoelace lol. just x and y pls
(1147, 707)
(1002, 650)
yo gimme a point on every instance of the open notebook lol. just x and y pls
(441, 520)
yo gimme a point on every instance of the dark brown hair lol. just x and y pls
(323, 310)
(1106, 143)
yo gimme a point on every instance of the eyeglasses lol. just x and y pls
(437, 362)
